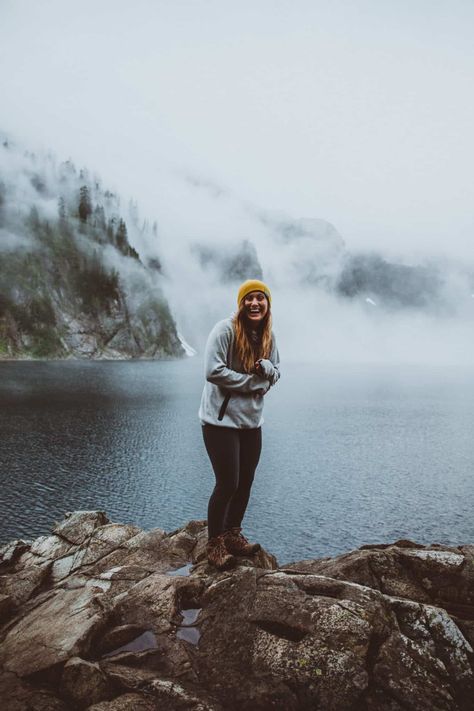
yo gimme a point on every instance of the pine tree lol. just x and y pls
(3, 192)
(99, 218)
(122, 237)
(61, 209)
(111, 230)
(85, 207)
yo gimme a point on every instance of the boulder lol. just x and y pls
(435, 574)
(84, 682)
(57, 629)
(77, 526)
(126, 702)
(18, 695)
(105, 616)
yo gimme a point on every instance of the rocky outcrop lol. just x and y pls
(105, 616)
(71, 283)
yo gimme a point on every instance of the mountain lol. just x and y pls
(394, 285)
(233, 264)
(71, 282)
(81, 275)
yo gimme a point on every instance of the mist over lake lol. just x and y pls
(351, 454)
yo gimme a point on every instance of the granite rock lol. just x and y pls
(105, 616)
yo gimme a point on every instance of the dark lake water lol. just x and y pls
(351, 455)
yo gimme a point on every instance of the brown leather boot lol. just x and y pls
(236, 543)
(217, 553)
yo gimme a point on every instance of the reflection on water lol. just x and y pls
(186, 630)
(350, 455)
(142, 643)
(184, 570)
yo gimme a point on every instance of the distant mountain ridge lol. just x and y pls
(81, 276)
(71, 283)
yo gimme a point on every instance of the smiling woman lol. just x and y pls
(241, 364)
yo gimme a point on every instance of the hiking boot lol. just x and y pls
(217, 553)
(236, 543)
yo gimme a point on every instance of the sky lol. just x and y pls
(359, 112)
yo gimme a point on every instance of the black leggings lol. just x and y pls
(234, 455)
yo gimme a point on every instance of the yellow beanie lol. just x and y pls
(253, 285)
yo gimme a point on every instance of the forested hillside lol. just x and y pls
(71, 283)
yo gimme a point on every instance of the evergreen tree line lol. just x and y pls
(114, 230)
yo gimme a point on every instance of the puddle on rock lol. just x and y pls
(189, 634)
(190, 615)
(142, 643)
(184, 570)
(186, 630)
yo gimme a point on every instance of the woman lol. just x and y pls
(241, 364)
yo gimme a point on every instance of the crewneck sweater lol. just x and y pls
(231, 397)
(254, 336)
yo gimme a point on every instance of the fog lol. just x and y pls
(229, 122)
(313, 323)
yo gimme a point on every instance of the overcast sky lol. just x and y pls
(360, 112)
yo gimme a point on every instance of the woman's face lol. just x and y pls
(256, 306)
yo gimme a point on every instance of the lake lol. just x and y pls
(351, 454)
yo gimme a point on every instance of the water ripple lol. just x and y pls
(350, 456)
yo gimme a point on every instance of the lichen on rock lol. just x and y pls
(96, 616)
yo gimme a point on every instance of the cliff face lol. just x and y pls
(71, 283)
(105, 616)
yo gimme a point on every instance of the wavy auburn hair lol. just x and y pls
(247, 350)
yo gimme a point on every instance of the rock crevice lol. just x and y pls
(107, 617)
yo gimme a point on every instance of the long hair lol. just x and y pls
(247, 350)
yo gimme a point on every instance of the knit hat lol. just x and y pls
(253, 285)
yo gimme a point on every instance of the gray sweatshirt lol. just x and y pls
(231, 397)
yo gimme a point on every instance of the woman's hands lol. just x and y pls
(265, 368)
(260, 371)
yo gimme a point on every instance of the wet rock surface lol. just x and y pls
(105, 616)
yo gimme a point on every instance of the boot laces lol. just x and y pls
(240, 536)
(220, 546)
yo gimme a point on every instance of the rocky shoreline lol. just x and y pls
(107, 617)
